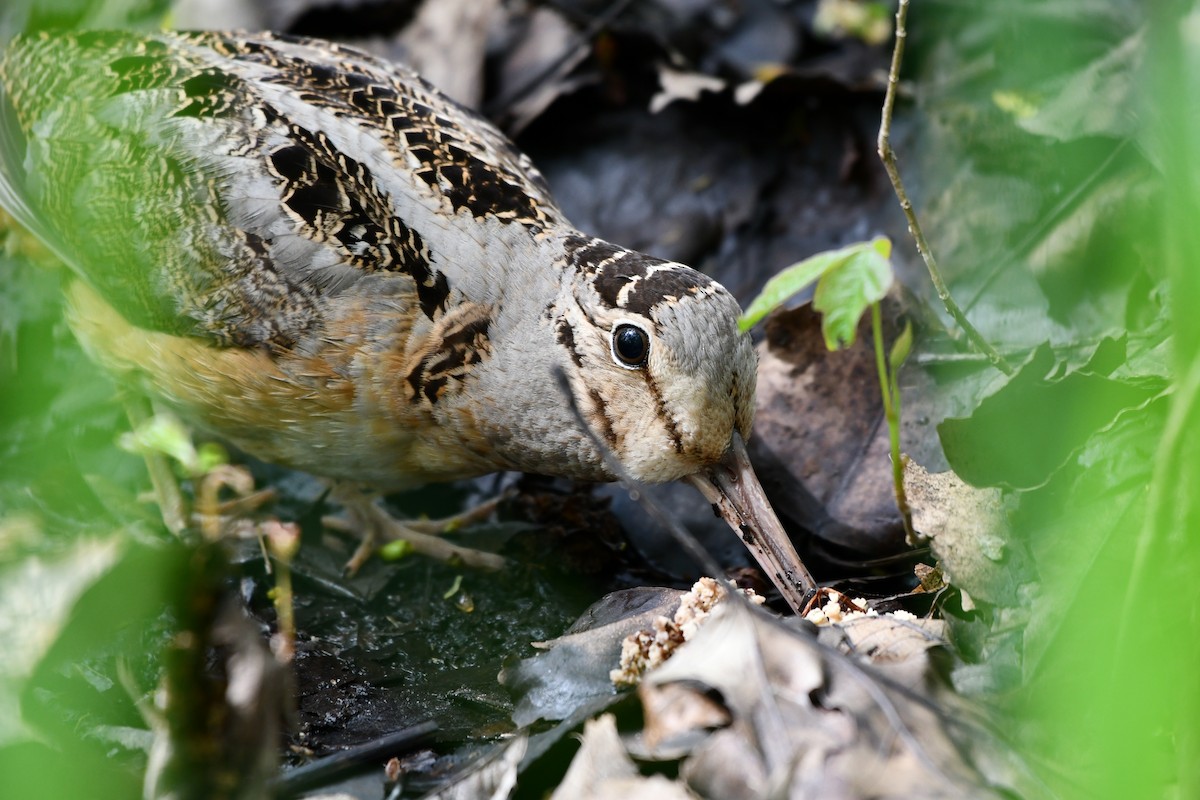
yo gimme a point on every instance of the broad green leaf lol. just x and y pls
(1096, 100)
(798, 276)
(791, 280)
(846, 290)
(36, 597)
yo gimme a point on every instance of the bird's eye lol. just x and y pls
(630, 346)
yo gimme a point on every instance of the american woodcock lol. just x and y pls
(314, 254)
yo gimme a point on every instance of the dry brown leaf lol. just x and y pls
(603, 770)
(768, 711)
(820, 420)
(965, 527)
(889, 639)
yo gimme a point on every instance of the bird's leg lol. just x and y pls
(244, 505)
(376, 526)
(455, 522)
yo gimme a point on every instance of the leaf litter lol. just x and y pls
(751, 704)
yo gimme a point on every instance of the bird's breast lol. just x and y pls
(368, 402)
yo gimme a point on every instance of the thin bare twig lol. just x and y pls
(888, 156)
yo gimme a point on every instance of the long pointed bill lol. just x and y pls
(733, 488)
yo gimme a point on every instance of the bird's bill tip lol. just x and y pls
(733, 489)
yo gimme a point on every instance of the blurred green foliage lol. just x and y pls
(1057, 181)
(1059, 165)
(89, 581)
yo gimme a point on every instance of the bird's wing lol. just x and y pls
(12, 171)
(223, 184)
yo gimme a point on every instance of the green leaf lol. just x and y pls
(209, 456)
(1096, 100)
(848, 288)
(791, 280)
(796, 277)
(164, 434)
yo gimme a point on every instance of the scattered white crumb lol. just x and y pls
(647, 649)
(840, 608)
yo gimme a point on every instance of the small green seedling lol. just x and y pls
(849, 281)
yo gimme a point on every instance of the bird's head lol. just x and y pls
(664, 379)
(656, 363)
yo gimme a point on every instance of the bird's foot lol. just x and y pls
(377, 526)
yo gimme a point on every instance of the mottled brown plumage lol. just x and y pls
(314, 254)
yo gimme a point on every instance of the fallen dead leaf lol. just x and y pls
(820, 420)
(763, 708)
(966, 527)
(573, 671)
(603, 770)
